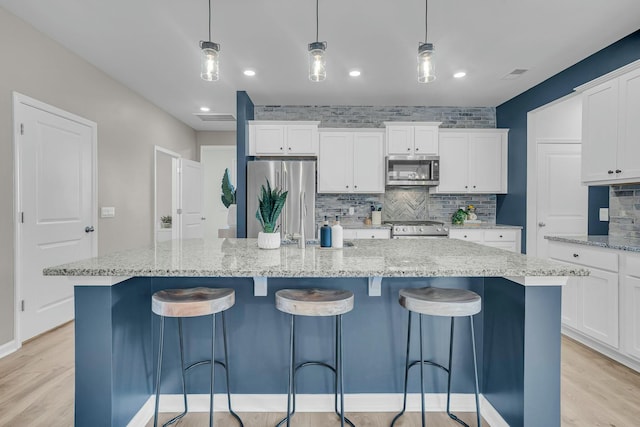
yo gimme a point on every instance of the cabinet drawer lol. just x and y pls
(506, 245)
(579, 254)
(468, 235)
(500, 235)
(373, 234)
(633, 265)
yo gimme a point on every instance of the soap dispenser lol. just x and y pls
(336, 234)
(325, 234)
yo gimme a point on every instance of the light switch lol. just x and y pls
(604, 214)
(107, 212)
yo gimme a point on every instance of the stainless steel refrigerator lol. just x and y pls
(298, 177)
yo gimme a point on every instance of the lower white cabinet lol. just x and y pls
(590, 303)
(631, 300)
(501, 238)
(366, 233)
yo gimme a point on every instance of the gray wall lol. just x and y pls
(128, 128)
(624, 210)
(214, 138)
(405, 204)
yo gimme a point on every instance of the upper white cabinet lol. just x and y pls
(351, 161)
(412, 138)
(472, 161)
(611, 129)
(272, 138)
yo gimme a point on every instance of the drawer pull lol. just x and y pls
(501, 236)
(618, 171)
(610, 172)
(465, 236)
(373, 236)
(576, 255)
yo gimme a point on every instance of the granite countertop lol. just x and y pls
(368, 258)
(610, 242)
(483, 225)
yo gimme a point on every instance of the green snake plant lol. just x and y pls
(270, 204)
(228, 196)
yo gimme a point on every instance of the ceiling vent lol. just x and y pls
(215, 117)
(515, 74)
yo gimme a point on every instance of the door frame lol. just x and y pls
(219, 148)
(532, 169)
(174, 197)
(18, 99)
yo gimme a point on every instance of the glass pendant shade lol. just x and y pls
(426, 69)
(209, 61)
(317, 61)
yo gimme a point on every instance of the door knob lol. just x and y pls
(610, 172)
(542, 224)
(618, 171)
(89, 229)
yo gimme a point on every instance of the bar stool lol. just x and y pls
(439, 302)
(193, 302)
(315, 302)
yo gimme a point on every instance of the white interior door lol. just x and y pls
(56, 201)
(190, 206)
(562, 201)
(215, 159)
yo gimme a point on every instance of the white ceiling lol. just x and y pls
(151, 46)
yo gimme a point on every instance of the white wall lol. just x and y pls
(128, 128)
(214, 138)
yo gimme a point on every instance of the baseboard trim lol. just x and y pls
(8, 348)
(365, 402)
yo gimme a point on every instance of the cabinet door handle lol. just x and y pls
(280, 148)
(542, 224)
(355, 186)
(501, 236)
(474, 186)
(417, 149)
(618, 171)
(465, 236)
(466, 186)
(373, 237)
(409, 149)
(576, 255)
(610, 172)
(289, 148)
(346, 186)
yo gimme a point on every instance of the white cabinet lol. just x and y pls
(412, 138)
(590, 303)
(611, 130)
(631, 299)
(351, 162)
(271, 138)
(366, 233)
(472, 161)
(501, 238)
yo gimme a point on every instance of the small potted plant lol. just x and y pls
(228, 198)
(270, 204)
(165, 221)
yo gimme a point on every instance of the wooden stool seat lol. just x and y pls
(441, 302)
(192, 302)
(314, 302)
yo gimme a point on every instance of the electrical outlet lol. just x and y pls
(107, 212)
(351, 210)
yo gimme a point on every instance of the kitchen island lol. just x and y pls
(517, 333)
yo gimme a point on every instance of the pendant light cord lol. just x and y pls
(426, 15)
(317, 20)
(209, 20)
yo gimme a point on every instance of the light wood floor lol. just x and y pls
(36, 389)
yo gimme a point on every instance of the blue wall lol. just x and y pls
(512, 207)
(244, 107)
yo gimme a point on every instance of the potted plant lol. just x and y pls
(270, 204)
(165, 221)
(228, 198)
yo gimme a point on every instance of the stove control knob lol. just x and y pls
(438, 229)
(446, 229)
(421, 230)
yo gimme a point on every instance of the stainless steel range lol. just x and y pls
(418, 229)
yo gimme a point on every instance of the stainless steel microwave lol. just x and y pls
(412, 170)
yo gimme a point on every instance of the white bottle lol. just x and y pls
(336, 234)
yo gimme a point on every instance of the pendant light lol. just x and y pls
(317, 56)
(209, 57)
(426, 69)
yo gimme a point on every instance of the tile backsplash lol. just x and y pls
(624, 210)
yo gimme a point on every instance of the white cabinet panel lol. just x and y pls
(632, 317)
(472, 161)
(301, 139)
(269, 139)
(598, 306)
(628, 159)
(476, 236)
(426, 140)
(351, 162)
(366, 233)
(335, 161)
(400, 139)
(368, 163)
(412, 138)
(275, 138)
(570, 302)
(504, 238)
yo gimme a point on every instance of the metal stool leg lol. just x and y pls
(292, 340)
(449, 373)
(159, 372)
(226, 369)
(182, 369)
(475, 371)
(340, 371)
(406, 372)
(422, 374)
(213, 365)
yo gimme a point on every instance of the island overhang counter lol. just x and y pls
(517, 332)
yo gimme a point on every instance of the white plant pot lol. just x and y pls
(268, 240)
(232, 216)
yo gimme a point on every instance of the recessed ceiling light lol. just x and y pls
(205, 109)
(459, 74)
(354, 73)
(249, 73)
